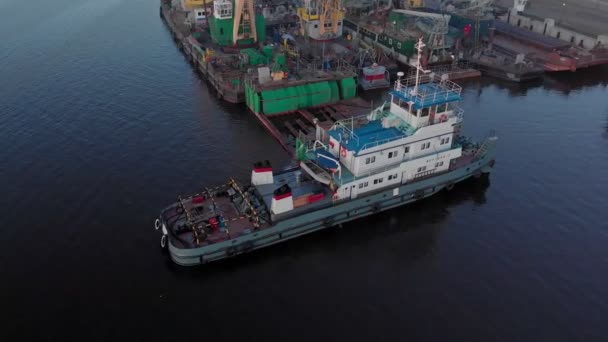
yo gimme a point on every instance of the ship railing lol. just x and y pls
(442, 89)
(375, 171)
(438, 70)
(458, 113)
(347, 126)
(488, 142)
(383, 141)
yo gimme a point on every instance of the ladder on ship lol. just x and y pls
(487, 143)
(244, 21)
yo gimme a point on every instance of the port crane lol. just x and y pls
(244, 21)
(435, 25)
(321, 19)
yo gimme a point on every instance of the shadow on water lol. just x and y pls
(605, 131)
(563, 82)
(412, 229)
(566, 82)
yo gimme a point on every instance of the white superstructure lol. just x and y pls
(409, 138)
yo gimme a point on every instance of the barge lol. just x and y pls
(404, 150)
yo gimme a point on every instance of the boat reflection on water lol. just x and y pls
(563, 82)
(566, 82)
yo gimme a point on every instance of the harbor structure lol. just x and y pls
(553, 42)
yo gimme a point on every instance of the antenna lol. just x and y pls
(419, 46)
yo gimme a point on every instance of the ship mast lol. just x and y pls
(419, 46)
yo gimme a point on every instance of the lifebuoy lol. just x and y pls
(157, 224)
(163, 241)
(443, 118)
(343, 152)
(449, 186)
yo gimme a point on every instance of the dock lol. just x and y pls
(302, 123)
(559, 35)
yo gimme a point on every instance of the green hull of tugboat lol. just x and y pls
(334, 214)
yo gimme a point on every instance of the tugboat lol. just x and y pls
(405, 150)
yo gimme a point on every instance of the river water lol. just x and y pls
(103, 122)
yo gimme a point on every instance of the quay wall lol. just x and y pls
(550, 27)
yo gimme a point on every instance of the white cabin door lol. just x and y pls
(346, 192)
(353, 191)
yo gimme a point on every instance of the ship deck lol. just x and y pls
(213, 215)
(302, 186)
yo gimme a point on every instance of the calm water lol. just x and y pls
(102, 123)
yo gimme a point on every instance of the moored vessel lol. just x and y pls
(407, 149)
(374, 77)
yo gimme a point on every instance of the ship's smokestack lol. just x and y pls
(262, 173)
(282, 200)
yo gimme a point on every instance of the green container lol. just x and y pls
(280, 59)
(267, 51)
(334, 91)
(254, 57)
(297, 97)
(348, 88)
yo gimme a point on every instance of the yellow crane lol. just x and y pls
(321, 19)
(332, 13)
(415, 3)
